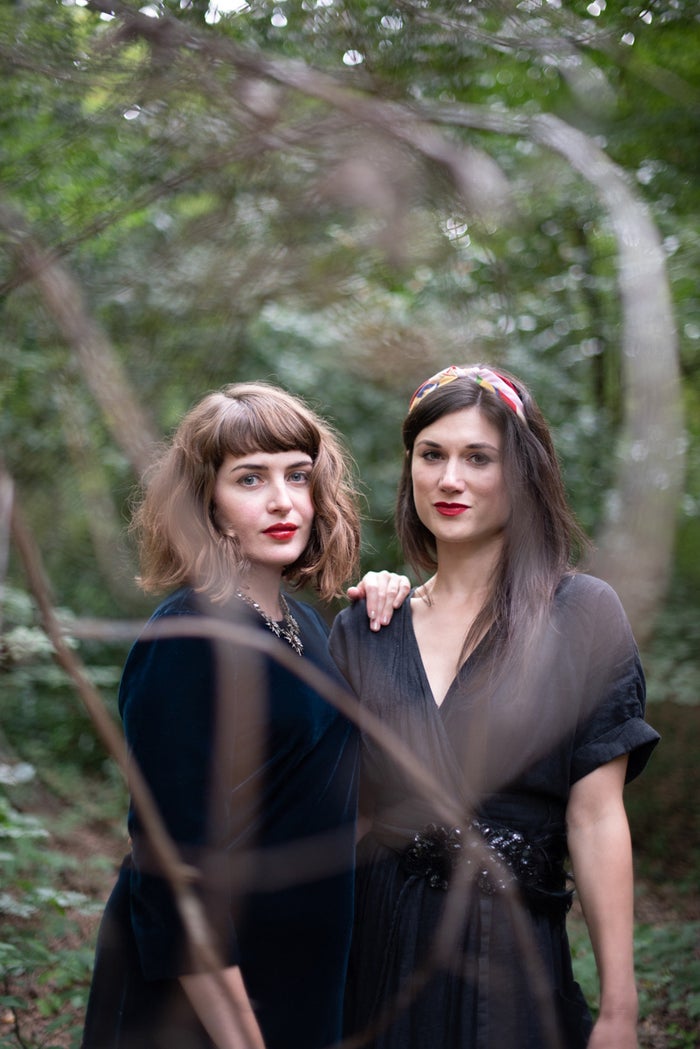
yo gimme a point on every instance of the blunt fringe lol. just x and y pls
(174, 521)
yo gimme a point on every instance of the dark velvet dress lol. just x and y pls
(255, 776)
(499, 975)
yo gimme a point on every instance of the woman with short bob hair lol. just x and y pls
(253, 770)
(515, 683)
(180, 541)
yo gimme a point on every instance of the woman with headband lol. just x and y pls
(516, 684)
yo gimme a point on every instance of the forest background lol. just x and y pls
(340, 198)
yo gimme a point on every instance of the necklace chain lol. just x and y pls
(288, 629)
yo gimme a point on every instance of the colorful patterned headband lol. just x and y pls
(490, 380)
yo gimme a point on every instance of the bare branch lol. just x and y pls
(101, 368)
(6, 500)
(475, 175)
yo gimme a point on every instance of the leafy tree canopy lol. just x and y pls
(342, 197)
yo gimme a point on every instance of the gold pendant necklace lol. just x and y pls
(287, 629)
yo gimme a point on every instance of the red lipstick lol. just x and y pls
(283, 530)
(451, 509)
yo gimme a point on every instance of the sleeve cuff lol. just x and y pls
(635, 737)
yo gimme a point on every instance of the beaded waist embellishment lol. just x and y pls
(435, 852)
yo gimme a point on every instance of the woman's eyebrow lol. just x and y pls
(248, 466)
(470, 444)
(264, 467)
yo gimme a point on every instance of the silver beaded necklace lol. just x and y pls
(287, 629)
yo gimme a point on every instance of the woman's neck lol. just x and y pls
(263, 585)
(465, 571)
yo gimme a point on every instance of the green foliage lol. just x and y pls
(43, 721)
(45, 963)
(662, 804)
(667, 960)
(672, 659)
(210, 249)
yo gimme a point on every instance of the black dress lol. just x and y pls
(255, 776)
(499, 977)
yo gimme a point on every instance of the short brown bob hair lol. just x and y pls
(179, 541)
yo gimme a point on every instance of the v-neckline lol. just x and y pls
(439, 707)
(419, 657)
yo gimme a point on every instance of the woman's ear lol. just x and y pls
(224, 530)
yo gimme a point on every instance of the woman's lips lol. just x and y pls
(281, 531)
(451, 509)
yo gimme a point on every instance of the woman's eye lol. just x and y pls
(249, 480)
(479, 459)
(431, 457)
(299, 477)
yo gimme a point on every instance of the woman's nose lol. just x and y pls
(279, 498)
(451, 476)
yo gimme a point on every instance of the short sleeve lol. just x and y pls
(613, 721)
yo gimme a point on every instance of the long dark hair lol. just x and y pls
(542, 537)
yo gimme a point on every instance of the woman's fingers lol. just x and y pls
(384, 592)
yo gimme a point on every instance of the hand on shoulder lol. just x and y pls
(384, 592)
